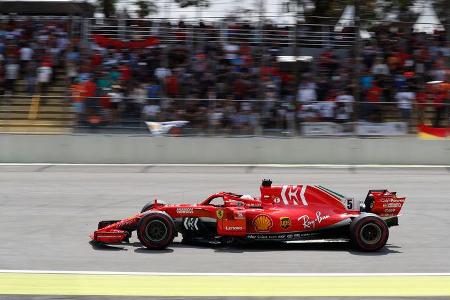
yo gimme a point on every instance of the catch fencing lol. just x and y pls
(252, 117)
(222, 31)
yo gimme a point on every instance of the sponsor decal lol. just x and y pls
(390, 199)
(190, 223)
(233, 228)
(262, 223)
(309, 223)
(185, 210)
(285, 222)
(219, 214)
(276, 200)
(239, 215)
(294, 195)
(392, 205)
(283, 236)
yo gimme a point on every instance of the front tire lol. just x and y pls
(156, 230)
(368, 233)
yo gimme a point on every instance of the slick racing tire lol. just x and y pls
(368, 232)
(150, 205)
(156, 230)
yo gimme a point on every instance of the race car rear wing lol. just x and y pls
(383, 203)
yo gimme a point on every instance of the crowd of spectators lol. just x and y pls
(231, 85)
(31, 50)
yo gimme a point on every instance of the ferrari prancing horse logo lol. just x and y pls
(285, 222)
(219, 214)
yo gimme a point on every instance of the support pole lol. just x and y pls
(357, 55)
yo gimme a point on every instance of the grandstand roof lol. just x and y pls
(428, 21)
(58, 8)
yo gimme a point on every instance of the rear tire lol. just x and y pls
(156, 230)
(368, 233)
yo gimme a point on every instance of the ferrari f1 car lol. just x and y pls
(281, 213)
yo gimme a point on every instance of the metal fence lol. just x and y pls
(283, 35)
(229, 117)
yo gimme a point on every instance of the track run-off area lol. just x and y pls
(47, 212)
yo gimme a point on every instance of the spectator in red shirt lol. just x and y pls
(439, 102)
(421, 103)
(172, 85)
(371, 108)
(97, 59)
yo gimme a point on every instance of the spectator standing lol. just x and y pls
(30, 77)
(215, 119)
(71, 71)
(172, 85)
(307, 92)
(151, 111)
(421, 104)
(139, 98)
(440, 101)
(326, 110)
(116, 97)
(346, 100)
(78, 100)
(11, 75)
(2, 80)
(372, 109)
(26, 54)
(405, 99)
(379, 67)
(44, 76)
(161, 73)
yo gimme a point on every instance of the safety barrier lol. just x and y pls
(220, 150)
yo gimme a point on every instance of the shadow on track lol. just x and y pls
(252, 247)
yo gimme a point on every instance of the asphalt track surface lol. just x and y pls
(47, 213)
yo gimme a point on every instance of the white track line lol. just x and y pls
(220, 274)
(337, 166)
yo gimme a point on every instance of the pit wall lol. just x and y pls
(143, 149)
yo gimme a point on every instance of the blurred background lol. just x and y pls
(256, 67)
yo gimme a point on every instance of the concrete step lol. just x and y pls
(35, 123)
(37, 130)
(40, 116)
(42, 109)
(27, 100)
(63, 91)
(53, 87)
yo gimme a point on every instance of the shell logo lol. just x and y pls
(262, 223)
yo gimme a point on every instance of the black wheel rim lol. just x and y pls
(370, 233)
(156, 230)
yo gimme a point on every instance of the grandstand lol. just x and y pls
(222, 76)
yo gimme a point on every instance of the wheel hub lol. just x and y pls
(370, 233)
(156, 230)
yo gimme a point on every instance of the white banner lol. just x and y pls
(360, 128)
(325, 128)
(386, 128)
(158, 128)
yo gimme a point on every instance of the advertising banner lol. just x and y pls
(359, 128)
(381, 129)
(326, 128)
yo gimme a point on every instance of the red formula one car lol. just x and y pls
(281, 213)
